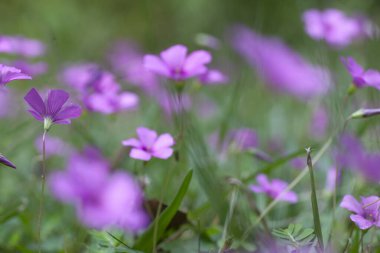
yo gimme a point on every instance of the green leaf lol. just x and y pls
(295, 235)
(145, 242)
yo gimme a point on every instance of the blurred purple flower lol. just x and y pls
(319, 123)
(174, 63)
(54, 146)
(243, 139)
(360, 77)
(127, 59)
(281, 67)
(351, 154)
(102, 200)
(207, 40)
(33, 69)
(366, 212)
(8, 103)
(99, 90)
(335, 27)
(21, 46)
(171, 104)
(274, 189)
(213, 77)
(6, 162)
(298, 163)
(52, 111)
(150, 145)
(9, 74)
(331, 179)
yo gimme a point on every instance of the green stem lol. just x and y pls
(314, 202)
(42, 196)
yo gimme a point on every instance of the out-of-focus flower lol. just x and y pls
(8, 104)
(207, 40)
(127, 59)
(319, 123)
(298, 163)
(9, 74)
(365, 113)
(366, 212)
(21, 46)
(54, 146)
(6, 162)
(243, 139)
(172, 104)
(335, 27)
(273, 189)
(174, 63)
(281, 67)
(102, 200)
(98, 88)
(331, 179)
(52, 111)
(33, 69)
(212, 77)
(149, 145)
(360, 77)
(351, 154)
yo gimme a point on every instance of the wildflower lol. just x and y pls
(6, 162)
(150, 145)
(274, 189)
(212, 77)
(366, 212)
(54, 146)
(243, 139)
(174, 63)
(335, 27)
(319, 123)
(281, 67)
(102, 199)
(360, 77)
(9, 74)
(365, 113)
(52, 111)
(33, 69)
(21, 46)
(8, 104)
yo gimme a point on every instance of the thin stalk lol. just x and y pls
(314, 202)
(42, 195)
(228, 219)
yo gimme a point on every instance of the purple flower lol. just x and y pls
(319, 123)
(80, 76)
(33, 69)
(366, 212)
(243, 139)
(351, 154)
(281, 67)
(21, 46)
(335, 27)
(8, 104)
(6, 162)
(174, 63)
(54, 146)
(171, 104)
(150, 145)
(127, 59)
(212, 77)
(101, 199)
(9, 74)
(360, 77)
(52, 110)
(274, 189)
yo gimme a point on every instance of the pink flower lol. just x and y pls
(54, 146)
(334, 26)
(366, 213)
(9, 74)
(274, 189)
(102, 199)
(213, 77)
(21, 46)
(360, 77)
(33, 69)
(150, 145)
(174, 63)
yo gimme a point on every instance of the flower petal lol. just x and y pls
(68, 112)
(34, 99)
(6, 162)
(194, 64)
(352, 66)
(163, 141)
(156, 65)
(163, 153)
(361, 222)
(131, 143)
(372, 77)
(175, 56)
(128, 100)
(140, 154)
(351, 204)
(36, 115)
(56, 99)
(146, 136)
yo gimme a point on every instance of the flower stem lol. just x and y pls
(314, 203)
(42, 195)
